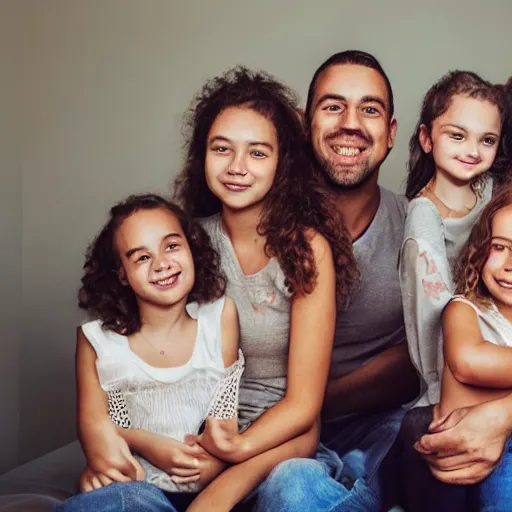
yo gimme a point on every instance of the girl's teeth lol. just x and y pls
(346, 151)
(165, 282)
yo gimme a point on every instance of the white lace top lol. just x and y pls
(174, 401)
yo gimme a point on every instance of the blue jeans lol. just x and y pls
(496, 490)
(343, 478)
(127, 497)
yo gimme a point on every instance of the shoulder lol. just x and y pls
(423, 221)
(209, 223)
(460, 308)
(319, 245)
(395, 204)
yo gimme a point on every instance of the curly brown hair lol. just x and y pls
(471, 261)
(296, 201)
(104, 296)
(421, 166)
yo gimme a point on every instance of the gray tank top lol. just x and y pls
(263, 304)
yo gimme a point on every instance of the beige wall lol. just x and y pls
(10, 231)
(105, 85)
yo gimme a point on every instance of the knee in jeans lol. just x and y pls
(293, 472)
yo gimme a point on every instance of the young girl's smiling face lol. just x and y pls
(241, 157)
(464, 139)
(156, 261)
(497, 271)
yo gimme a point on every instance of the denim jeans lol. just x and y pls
(422, 492)
(345, 476)
(127, 497)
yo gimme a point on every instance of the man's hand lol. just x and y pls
(465, 446)
(219, 438)
(108, 455)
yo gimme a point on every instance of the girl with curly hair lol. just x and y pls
(450, 180)
(477, 346)
(289, 265)
(163, 346)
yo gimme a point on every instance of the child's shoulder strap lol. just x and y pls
(209, 325)
(465, 300)
(100, 339)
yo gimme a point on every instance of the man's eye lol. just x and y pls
(332, 108)
(370, 110)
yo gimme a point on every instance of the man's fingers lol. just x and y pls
(451, 463)
(440, 444)
(185, 479)
(469, 475)
(184, 472)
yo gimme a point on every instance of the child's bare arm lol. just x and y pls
(236, 482)
(471, 359)
(106, 452)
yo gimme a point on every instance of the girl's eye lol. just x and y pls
(258, 154)
(489, 141)
(498, 247)
(172, 246)
(221, 149)
(457, 136)
(144, 257)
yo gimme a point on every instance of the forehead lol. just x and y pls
(351, 81)
(502, 223)
(242, 123)
(146, 227)
(474, 114)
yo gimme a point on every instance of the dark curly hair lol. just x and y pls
(296, 201)
(104, 296)
(421, 166)
(506, 140)
(471, 261)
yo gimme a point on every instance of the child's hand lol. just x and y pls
(183, 462)
(108, 454)
(91, 480)
(219, 438)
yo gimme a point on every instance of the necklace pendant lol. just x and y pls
(162, 352)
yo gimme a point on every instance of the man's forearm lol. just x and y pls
(388, 380)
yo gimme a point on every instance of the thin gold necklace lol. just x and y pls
(161, 352)
(465, 211)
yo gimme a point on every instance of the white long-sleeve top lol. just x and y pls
(430, 247)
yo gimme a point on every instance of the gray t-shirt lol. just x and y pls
(374, 320)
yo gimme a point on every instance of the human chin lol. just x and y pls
(347, 177)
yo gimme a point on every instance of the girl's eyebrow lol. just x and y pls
(130, 252)
(509, 240)
(221, 138)
(461, 128)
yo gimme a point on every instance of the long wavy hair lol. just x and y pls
(296, 201)
(471, 261)
(421, 165)
(104, 296)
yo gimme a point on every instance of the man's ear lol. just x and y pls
(393, 126)
(424, 139)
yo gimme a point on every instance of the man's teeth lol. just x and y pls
(346, 151)
(168, 281)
